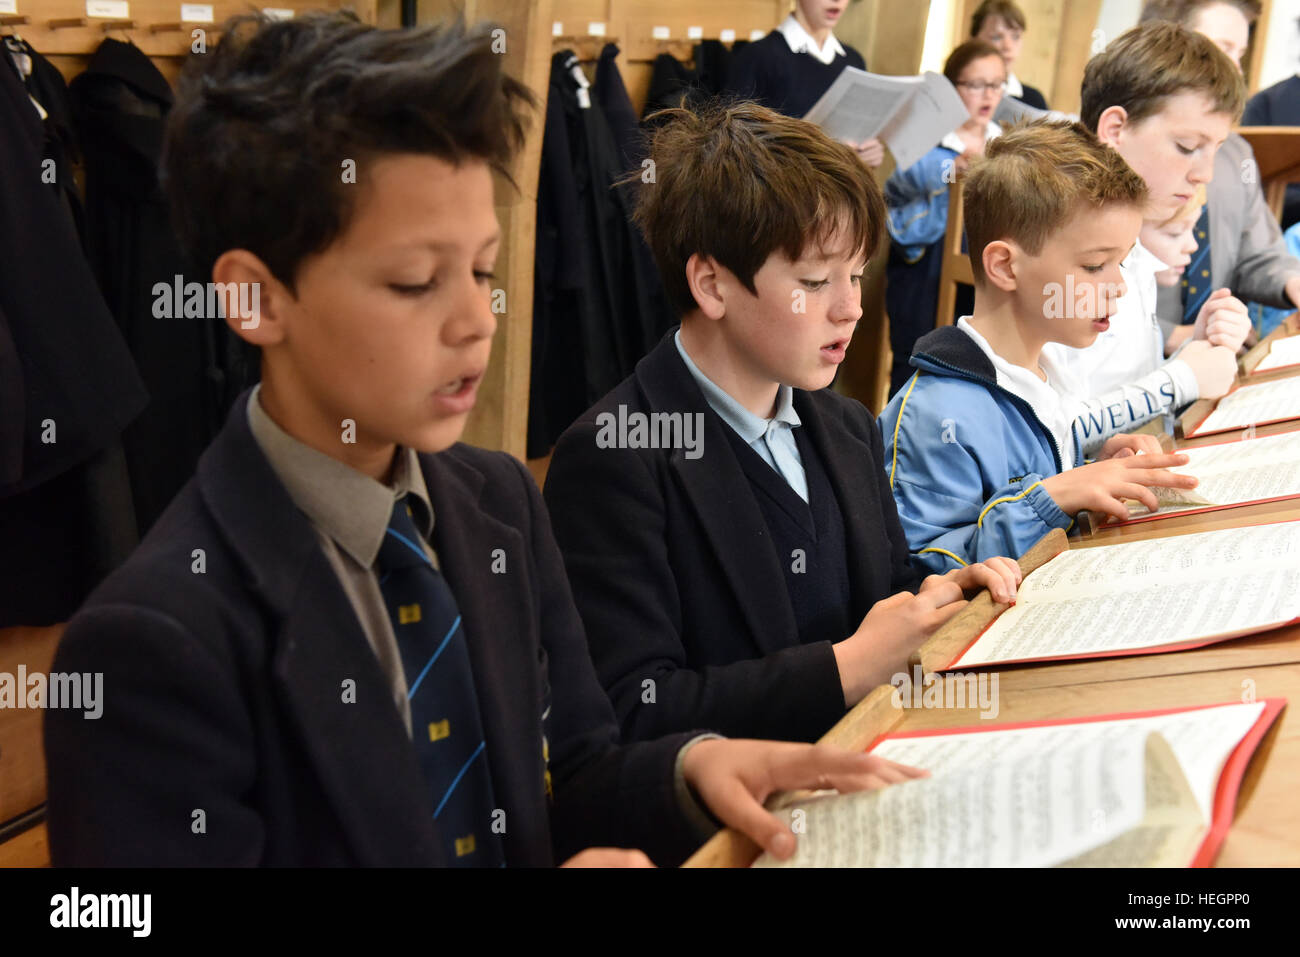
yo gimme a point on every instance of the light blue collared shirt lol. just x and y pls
(772, 439)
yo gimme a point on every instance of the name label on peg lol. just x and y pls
(196, 13)
(756, 34)
(278, 13)
(695, 33)
(8, 6)
(596, 29)
(727, 36)
(109, 9)
(660, 33)
(557, 29)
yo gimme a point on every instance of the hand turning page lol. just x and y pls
(1233, 473)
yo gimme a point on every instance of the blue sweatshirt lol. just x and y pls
(966, 458)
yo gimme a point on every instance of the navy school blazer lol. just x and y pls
(226, 691)
(676, 580)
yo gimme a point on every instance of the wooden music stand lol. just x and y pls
(956, 264)
(1277, 152)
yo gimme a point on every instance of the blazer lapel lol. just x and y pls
(500, 625)
(718, 489)
(848, 463)
(330, 679)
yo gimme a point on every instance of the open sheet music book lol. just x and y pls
(1154, 789)
(1164, 594)
(1257, 404)
(1281, 355)
(911, 114)
(1253, 470)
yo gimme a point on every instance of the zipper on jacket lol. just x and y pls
(1051, 439)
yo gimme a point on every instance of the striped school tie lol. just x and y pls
(445, 722)
(1196, 280)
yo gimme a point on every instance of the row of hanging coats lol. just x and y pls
(104, 409)
(598, 303)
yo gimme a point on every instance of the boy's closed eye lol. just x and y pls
(815, 284)
(419, 289)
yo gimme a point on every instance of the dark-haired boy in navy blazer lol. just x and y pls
(349, 640)
(726, 520)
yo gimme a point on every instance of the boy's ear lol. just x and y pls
(254, 299)
(702, 273)
(999, 265)
(1111, 124)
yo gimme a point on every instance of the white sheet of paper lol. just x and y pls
(911, 114)
(1283, 352)
(1247, 471)
(1010, 110)
(1136, 595)
(1254, 404)
(1020, 797)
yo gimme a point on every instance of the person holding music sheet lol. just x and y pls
(982, 453)
(917, 198)
(789, 69)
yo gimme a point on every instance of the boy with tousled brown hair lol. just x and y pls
(983, 455)
(757, 583)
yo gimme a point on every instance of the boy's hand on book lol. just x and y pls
(999, 575)
(1215, 367)
(1223, 320)
(893, 628)
(734, 777)
(608, 857)
(1103, 486)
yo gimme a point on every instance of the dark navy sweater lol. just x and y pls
(769, 72)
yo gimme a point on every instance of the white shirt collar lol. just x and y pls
(1013, 86)
(1142, 258)
(801, 42)
(744, 423)
(953, 142)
